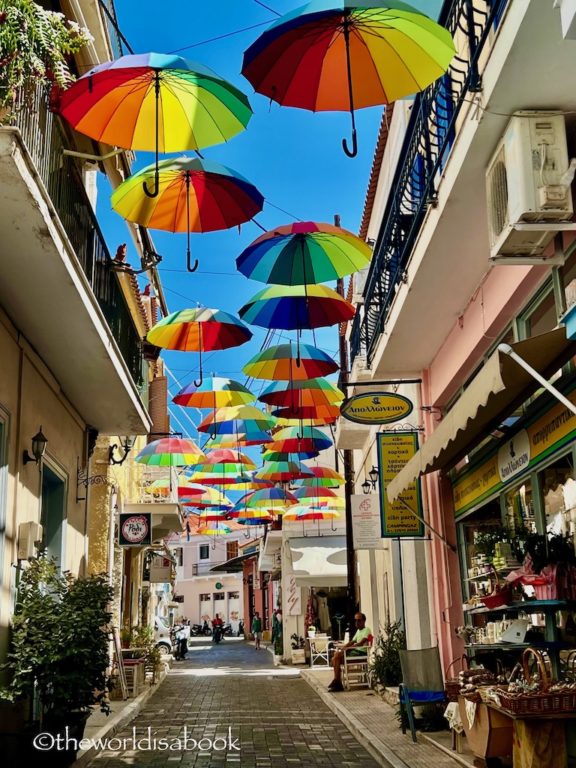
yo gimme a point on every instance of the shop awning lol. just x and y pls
(319, 561)
(500, 387)
(233, 565)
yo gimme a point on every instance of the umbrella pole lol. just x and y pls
(354, 151)
(147, 192)
(213, 432)
(198, 382)
(188, 267)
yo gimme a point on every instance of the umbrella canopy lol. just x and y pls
(284, 362)
(164, 486)
(320, 414)
(297, 456)
(239, 418)
(246, 516)
(226, 456)
(323, 476)
(240, 439)
(302, 393)
(304, 252)
(310, 513)
(192, 195)
(155, 102)
(199, 330)
(220, 530)
(282, 471)
(202, 496)
(253, 484)
(268, 498)
(293, 439)
(315, 492)
(214, 392)
(218, 478)
(115, 102)
(297, 307)
(170, 452)
(340, 56)
(211, 516)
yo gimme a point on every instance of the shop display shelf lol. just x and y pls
(543, 646)
(528, 606)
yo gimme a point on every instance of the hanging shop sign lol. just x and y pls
(160, 570)
(134, 530)
(395, 449)
(376, 408)
(545, 435)
(366, 525)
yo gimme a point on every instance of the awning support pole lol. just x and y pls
(442, 538)
(507, 350)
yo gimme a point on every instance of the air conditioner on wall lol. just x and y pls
(528, 185)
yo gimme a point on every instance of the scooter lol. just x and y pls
(217, 633)
(206, 629)
(227, 630)
(195, 630)
(179, 638)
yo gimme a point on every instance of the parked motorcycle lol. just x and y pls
(196, 630)
(206, 629)
(227, 630)
(179, 638)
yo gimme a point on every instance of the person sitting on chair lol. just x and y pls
(358, 644)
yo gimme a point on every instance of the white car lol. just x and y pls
(162, 636)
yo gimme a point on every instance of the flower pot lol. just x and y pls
(277, 660)
(298, 656)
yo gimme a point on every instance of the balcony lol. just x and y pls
(57, 286)
(430, 137)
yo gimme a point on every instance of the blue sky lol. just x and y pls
(294, 157)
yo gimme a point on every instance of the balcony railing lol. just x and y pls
(429, 138)
(44, 139)
(200, 569)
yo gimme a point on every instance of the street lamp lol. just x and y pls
(39, 442)
(374, 475)
(126, 445)
(366, 486)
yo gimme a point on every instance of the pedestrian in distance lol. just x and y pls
(257, 629)
(359, 645)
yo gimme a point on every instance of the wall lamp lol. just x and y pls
(39, 442)
(126, 445)
(370, 482)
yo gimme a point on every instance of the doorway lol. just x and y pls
(52, 514)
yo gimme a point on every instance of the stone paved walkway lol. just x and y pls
(232, 690)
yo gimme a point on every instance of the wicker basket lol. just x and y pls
(542, 702)
(453, 685)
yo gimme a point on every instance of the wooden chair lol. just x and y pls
(356, 667)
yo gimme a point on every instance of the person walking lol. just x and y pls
(257, 629)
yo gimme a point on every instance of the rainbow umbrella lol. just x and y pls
(170, 452)
(341, 56)
(220, 530)
(321, 415)
(310, 513)
(316, 492)
(199, 330)
(282, 471)
(302, 253)
(297, 456)
(163, 486)
(191, 106)
(246, 516)
(219, 456)
(214, 392)
(296, 307)
(306, 393)
(253, 484)
(308, 439)
(274, 500)
(323, 476)
(211, 515)
(281, 363)
(208, 497)
(216, 478)
(239, 439)
(238, 418)
(193, 195)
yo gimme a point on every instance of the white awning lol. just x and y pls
(319, 561)
(499, 387)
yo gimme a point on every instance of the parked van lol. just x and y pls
(162, 636)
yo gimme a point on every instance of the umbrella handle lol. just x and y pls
(354, 151)
(147, 191)
(188, 267)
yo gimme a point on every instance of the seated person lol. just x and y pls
(359, 644)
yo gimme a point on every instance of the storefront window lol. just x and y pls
(559, 494)
(541, 316)
(520, 508)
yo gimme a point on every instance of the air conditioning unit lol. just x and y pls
(29, 540)
(528, 185)
(359, 285)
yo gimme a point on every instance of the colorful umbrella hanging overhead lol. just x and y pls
(313, 415)
(297, 456)
(240, 418)
(226, 456)
(323, 476)
(199, 330)
(238, 439)
(283, 362)
(155, 103)
(306, 393)
(170, 452)
(290, 439)
(297, 307)
(303, 253)
(214, 392)
(342, 56)
(200, 496)
(275, 500)
(282, 471)
(192, 196)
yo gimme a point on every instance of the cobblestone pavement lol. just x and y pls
(233, 692)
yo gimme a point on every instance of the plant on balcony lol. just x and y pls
(35, 45)
(58, 653)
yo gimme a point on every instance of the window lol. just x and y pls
(204, 552)
(218, 595)
(179, 556)
(231, 549)
(444, 112)
(205, 597)
(540, 316)
(559, 493)
(519, 508)
(233, 595)
(52, 514)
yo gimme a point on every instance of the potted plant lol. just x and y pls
(298, 652)
(58, 655)
(35, 45)
(144, 645)
(385, 668)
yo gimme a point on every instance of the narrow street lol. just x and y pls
(234, 693)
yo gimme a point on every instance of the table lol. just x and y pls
(539, 741)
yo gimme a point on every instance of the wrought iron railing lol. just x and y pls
(429, 137)
(45, 141)
(111, 21)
